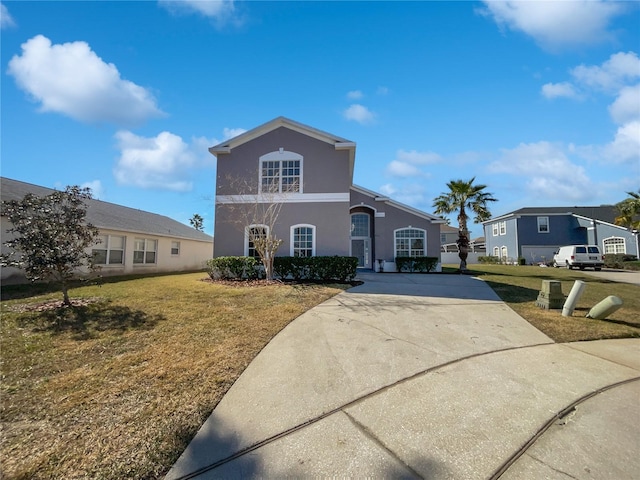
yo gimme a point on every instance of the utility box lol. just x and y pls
(550, 296)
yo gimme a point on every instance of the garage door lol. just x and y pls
(533, 254)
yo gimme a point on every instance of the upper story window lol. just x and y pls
(495, 229)
(543, 224)
(303, 241)
(281, 172)
(503, 228)
(110, 251)
(144, 250)
(410, 242)
(360, 225)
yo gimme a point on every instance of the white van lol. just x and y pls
(580, 256)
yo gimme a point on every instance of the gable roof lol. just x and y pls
(110, 216)
(382, 198)
(604, 213)
(339, 143)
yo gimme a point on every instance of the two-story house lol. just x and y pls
(535, 233)
(308, 173)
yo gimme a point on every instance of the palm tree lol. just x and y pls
(463, 195)
(629, 210)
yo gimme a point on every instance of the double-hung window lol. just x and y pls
(303, 241)
(175, 248)
(253, 234)
(495, 229)
(144, 251)
(503, 228)
(281, 172)
(110, 250)
(543, 224)
(410, 242)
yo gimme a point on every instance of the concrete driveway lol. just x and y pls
(424, 376)
(624, 276)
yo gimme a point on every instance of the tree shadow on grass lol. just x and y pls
(87, 321)
(512, 293)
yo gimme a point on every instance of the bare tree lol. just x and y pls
(255, 214)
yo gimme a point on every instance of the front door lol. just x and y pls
(360, 250)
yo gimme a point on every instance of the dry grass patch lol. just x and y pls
(116, 388)
(519, 286)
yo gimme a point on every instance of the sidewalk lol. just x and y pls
(423, 376)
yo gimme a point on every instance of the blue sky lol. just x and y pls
(540, 101)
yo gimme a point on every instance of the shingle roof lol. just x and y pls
(107, 215)
(604, 213)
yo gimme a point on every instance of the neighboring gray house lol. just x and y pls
(133, 241)
(322, 212)
(535, 233)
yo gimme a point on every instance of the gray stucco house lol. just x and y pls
(535, 233)
(321, 211)
(133, 241)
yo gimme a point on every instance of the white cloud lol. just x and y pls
(555, 90)
(359, 113)
(625, 147)
(382, 91)
(97, 190)
(626, 108)
(619, 70)
(72, 80)
(417, 158)
(546, 171)
(161, 162)
(6, 20)
(388, 189)
(558, 23)
(231, 132)
(355, 95)
(398, 168)
(221, 11)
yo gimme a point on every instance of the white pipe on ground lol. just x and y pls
(572, 299)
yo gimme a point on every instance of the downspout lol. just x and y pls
(518, 254)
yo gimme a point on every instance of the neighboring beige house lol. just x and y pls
(133, 241)
(322, 212)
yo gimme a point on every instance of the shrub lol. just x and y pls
(325, 269)
(416, 264)
(489, 259)
(618, 260)
(232, 268)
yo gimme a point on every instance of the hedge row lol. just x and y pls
(416, 264)
(324, 269)
(620, 260)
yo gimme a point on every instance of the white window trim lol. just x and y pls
(175, 254)
(623, 243)
(292, 236)
(495, 229)
(503, 228)
(246, 235)
(107, 247)
(279, 156)
(547, 225)
(145, 251)
(504, 252)
(496, 252)
(395, 244)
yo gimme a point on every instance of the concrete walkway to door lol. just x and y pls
(424, 376)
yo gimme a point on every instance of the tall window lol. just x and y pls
(504, 253)
(110, 251)
(175, 248)
(303, 241)
(254, 232)
(614, 245)
(410, 242)
(496, 251)
(495, 229)
(543, 224)
(144, 251)
(281, 172)
(503, 228)
(360, 225)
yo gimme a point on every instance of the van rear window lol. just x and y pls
(593, 250)
(581, 250)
